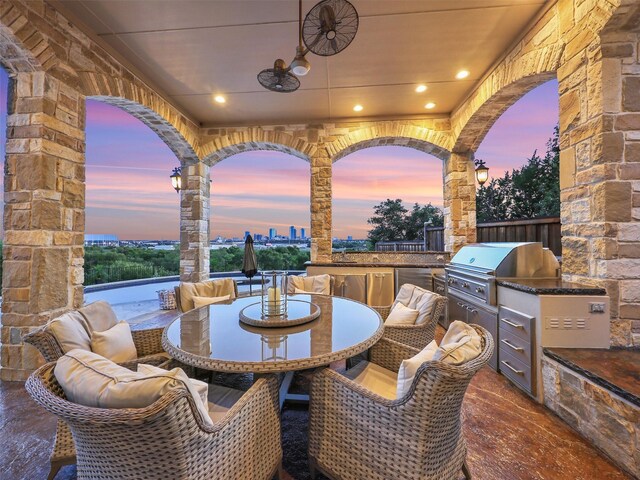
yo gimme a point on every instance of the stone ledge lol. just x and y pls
(605, 419)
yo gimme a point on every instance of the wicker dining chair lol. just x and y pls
(168, 439)
(149, 347)
(355, 433)
(416, 336)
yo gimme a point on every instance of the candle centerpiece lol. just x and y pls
(274, 294)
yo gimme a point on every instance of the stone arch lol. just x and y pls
(426, 140)
(180, 135)
(506, 84)
(224, 146)
(17, 31)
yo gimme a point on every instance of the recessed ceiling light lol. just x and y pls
(462, 74)
(430, 105)
(358, 108)
(421, 88)
(219, 99)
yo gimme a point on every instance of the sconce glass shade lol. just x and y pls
(482, 172)
(176, 179)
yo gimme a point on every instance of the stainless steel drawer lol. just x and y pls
(517, 371)
(520, 324)
(515, 345)
(439, 286)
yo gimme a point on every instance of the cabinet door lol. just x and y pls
(456, 310)
(488, 320)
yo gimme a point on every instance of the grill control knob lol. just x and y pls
(479, 289)
(465, 285)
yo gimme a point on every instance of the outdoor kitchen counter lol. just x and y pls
(551, 287)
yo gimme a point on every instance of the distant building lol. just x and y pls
(101, 240)
(273, 233)
(292, 232)
(303, 234)
(246, 234)
(257, 237)
(349, 238)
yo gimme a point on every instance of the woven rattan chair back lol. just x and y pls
(168, 440)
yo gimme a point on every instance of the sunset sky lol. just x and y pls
(129, 193)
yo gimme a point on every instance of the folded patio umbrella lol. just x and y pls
(249, 262)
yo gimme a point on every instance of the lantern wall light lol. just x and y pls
(176, 179)
(482, 172)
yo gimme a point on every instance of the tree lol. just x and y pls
(392, 221)
(530, 192)
(420, 215)
(388, 221)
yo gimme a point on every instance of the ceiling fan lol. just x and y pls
(328, 28)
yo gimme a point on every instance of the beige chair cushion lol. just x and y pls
(460, 344)
(410, 366)
(375, 378)
(115, 344)
(314, 284)
(210, 288)
(201, 387)
(70, 331)
(203, 301)
(401, 315)
(99, 316)
(94, 381)
(221, 399)
(419, 299)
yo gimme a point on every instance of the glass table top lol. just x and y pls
(213, 336)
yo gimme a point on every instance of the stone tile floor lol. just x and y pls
(509, 437)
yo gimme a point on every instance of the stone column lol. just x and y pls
(321, 171)
(599, 82)
(43, 251)
(194, 223)
(459, 201)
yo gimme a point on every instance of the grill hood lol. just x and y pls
(508, 260)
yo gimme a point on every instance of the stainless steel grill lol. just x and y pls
(475, 268)
(472, 274)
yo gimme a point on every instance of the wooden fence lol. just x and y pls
(545, 230)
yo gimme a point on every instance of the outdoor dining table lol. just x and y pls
(214, 338)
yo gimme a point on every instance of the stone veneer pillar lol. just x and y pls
(599, 82)
(44, 212)
(459, 201)
(321, 171)
(194, 223)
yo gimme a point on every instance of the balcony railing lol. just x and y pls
(545, 230)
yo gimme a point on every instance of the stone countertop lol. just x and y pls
(553, 286)
(617, 370)
(376, 265)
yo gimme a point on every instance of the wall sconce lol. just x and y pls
(482, 172)
(176, 179)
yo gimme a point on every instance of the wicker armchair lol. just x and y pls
(167, 439)
(416, 336)
(356, 434)
(149, 347)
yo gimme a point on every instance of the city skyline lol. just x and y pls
(129, 193)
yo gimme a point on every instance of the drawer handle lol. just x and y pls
(462, 305)
(514, 370)
(439, 289)
(511, 345)
(514, 325)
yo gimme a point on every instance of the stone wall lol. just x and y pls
(606, 420)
